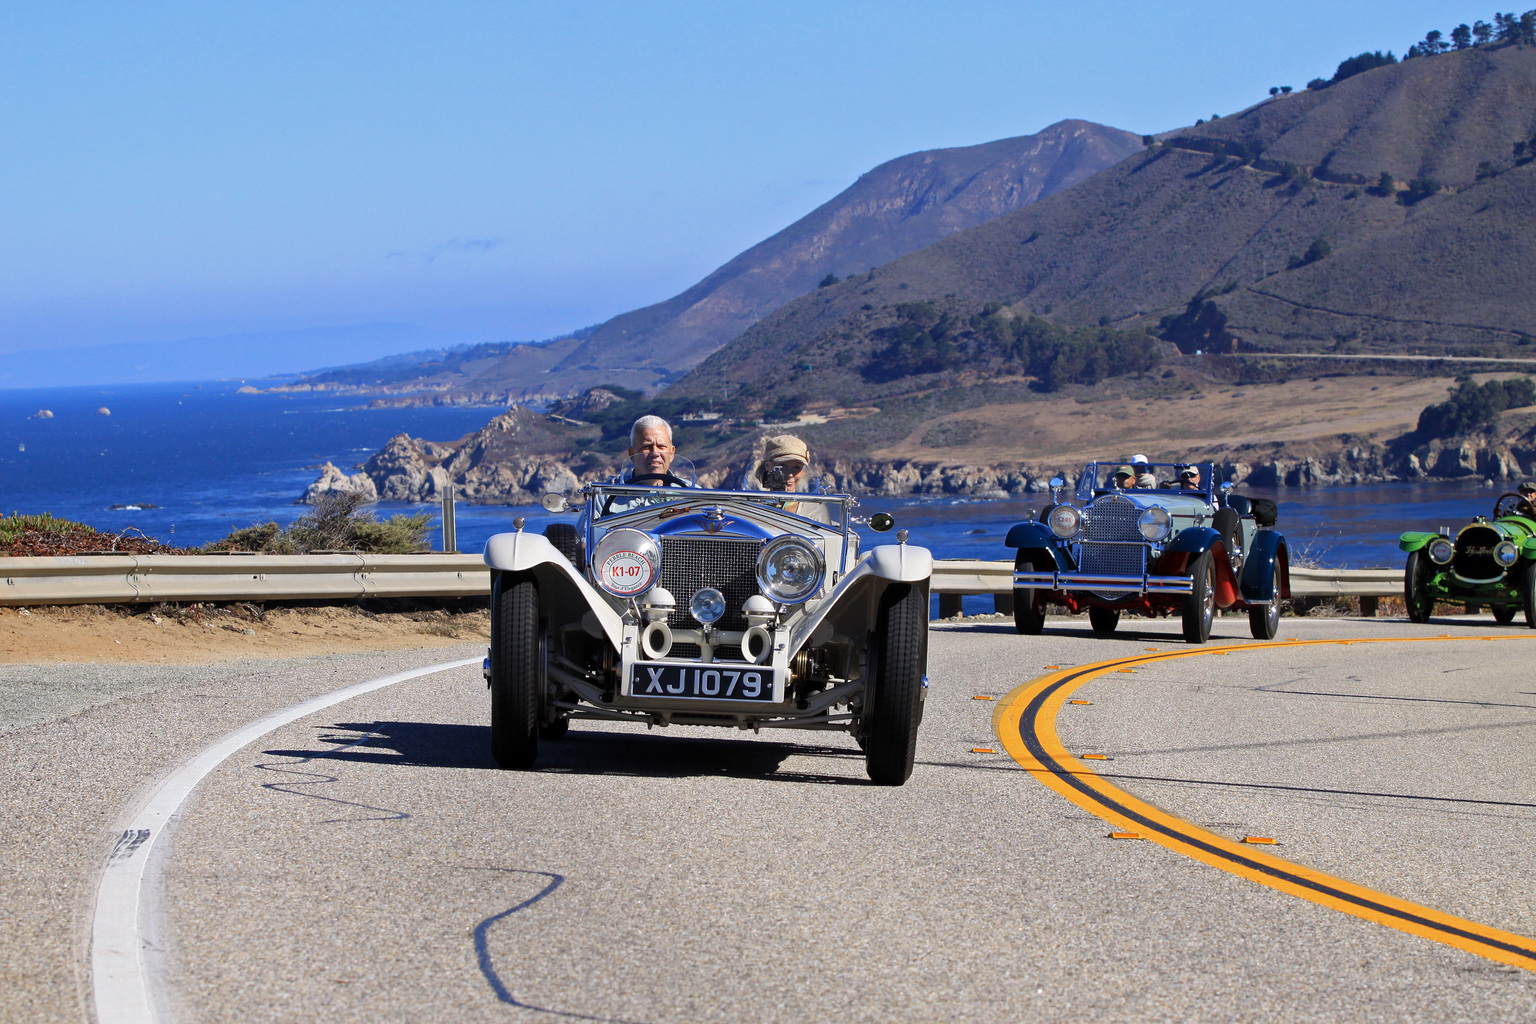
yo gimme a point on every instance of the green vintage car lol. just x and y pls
(1491, 560)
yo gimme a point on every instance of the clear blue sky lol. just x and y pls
(514, 170)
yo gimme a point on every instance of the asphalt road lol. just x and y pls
(369, 862)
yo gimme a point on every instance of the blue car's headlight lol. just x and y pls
(1155, 524)
(1065, 521)
(626, 562)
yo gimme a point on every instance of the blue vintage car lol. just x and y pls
(1488, 561)
(1181, 543)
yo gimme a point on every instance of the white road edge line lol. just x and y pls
(121, 955)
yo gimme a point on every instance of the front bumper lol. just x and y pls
(1127, 585)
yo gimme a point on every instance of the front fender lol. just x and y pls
(1030, 535)
(851, 605)
(1413, 541)
(1267, 571)
(903, 563)
(525, 552)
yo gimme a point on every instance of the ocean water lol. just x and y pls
(214, 460)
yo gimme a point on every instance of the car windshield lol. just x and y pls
(1101, 477)
(607, 501)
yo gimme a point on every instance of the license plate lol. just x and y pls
(709, 682)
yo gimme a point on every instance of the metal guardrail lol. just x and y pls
(112, 579)
(144, 579)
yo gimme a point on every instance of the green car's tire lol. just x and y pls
(1530, 595)
(1103, 620)
(1421, 603)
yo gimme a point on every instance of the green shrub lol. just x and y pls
(15, 525)
(1473, 407)
(337, 522)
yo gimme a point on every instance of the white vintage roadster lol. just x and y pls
(683, 606)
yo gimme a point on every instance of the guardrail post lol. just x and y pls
(1368, 606)
(1003, 603)
(450, 530)
(949, 605)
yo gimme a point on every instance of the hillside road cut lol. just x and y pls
(368, 862)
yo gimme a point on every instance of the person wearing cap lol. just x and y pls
(783, 466)
(1189, 478)
(1124, 478)
(1527, 506)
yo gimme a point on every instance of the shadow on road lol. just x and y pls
(580, 752)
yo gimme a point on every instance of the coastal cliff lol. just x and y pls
(522, 455)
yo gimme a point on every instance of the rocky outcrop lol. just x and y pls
(521, 456)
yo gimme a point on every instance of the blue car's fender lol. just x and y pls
(1037, 537)
(1267, 568)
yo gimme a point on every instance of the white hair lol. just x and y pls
(648, 423)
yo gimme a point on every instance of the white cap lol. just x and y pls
(1139, 458)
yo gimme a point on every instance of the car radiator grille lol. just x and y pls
(1112, 518)
(730, 566)
(1474, 555)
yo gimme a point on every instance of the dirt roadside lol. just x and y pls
(109, 634)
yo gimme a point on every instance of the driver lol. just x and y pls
(1189, 478)
(651, 451)
(1527, 506)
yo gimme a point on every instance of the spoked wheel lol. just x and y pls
(1200, 603)
(517, 671)
(1028, 602)
(1504, 614)
(1264, 619)
(898, 656)
(1416, 595)
(1103, 620)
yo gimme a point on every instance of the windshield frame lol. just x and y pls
(1088, 486)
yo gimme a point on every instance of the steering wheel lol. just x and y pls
(668, 480)
(1511, 504)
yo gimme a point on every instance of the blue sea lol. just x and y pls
(214, 460)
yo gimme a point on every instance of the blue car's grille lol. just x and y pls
(1112, 518)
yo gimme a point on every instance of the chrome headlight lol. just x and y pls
(1065, 521)
(790, 569)
(1155, 524)
(626, 562)
(1441, 550)
(707, 605)
(1505, 553)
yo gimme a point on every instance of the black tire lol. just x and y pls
(1530, 595)
(517, 670)
(893, 703)
(1264, 619)
(567, 540)
(1420, 603)
(1504, 614)
(1103, 620)
(1028, 602)
(1199, 607)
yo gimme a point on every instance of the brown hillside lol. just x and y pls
(1450, 271)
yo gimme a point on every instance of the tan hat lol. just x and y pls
(784, 447)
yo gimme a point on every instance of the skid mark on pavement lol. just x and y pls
(488, 967)
(1025, 724)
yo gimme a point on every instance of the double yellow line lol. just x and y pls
(1025, 724)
